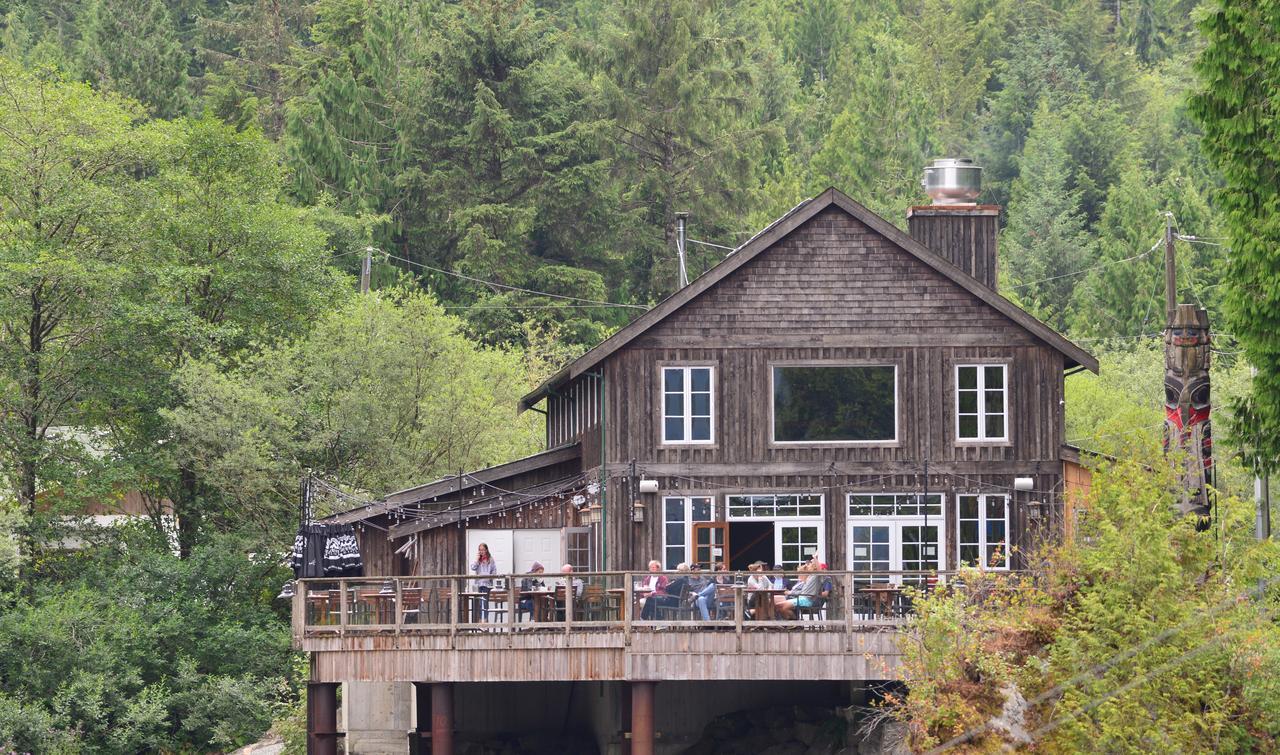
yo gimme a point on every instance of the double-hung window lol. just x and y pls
(984, 530)
(687, 399)
(982, 402)
(679, 513)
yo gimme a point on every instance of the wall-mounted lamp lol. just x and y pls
(637, 511)
(1034, 509)
(1024, 483)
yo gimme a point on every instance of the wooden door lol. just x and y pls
(710, 544)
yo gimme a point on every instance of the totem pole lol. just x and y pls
(1186, 406)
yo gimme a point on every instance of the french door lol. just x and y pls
(880, 545)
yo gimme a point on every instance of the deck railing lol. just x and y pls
(604, 601)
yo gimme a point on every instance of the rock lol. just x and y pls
(272, 744)
(1012, 721)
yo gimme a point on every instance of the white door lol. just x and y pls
(536, 545)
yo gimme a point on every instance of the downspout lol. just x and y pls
(604, 479)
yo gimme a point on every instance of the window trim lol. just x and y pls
(686, 367)
(882, 443)
(982, 415)
(686, 502)
(982, 532)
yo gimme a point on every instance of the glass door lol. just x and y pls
(870, 549)
(918, 550)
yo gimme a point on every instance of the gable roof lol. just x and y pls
(775, 232)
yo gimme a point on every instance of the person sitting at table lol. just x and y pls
(706, 595)
(653, 584)
(576, 581)
(529, 584)
(484, 564)
(805, 594)
(780, 582)
(669, 599)
(755, 583)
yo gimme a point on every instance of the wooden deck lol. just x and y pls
(409, 629)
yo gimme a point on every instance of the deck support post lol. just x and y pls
(322, 718)
(642, 717)
(442, 718)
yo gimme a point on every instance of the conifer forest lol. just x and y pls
(189, 190)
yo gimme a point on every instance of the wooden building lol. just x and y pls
(834, 389)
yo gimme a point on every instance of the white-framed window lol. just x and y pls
(982, 402)
(833, 404)
(688, 401)
(983, 534)
(678, 516)
(774, 505)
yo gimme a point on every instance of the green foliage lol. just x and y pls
(1142, 635)
(126, 648)
(677, 84)
(131, 47)
(69, 166)
(383, 393)
(1239, 72)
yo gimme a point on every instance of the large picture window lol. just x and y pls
(678, 517)
(835, 404)
(984, 530)
(687, 400)
(981, 402)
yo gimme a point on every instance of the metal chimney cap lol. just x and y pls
(952, 180)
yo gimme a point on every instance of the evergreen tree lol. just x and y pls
(250, 53)
(342, 133)
(677, 83)
(1044, 241)
(132, 47)
(1240, 75)
(1125, 295)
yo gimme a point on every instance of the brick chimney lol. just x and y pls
(954, 228)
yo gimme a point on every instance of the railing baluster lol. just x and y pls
(628, 601)
(512, 605)
(342, 606)
(398, 608)
(455, 605)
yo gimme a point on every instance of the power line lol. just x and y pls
(708, 243)
(1087, 269)
(482, 281)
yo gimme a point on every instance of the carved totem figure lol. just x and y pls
(1186, 404)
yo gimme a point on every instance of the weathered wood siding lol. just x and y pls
(833, 291)
(573, 410)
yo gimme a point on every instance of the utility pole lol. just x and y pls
(366, 268)
(681, 217)
(1170, 271)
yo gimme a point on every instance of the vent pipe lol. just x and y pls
(681, 217)
(952, 180)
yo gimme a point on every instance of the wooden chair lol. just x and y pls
(412, 604)
(681, 608)
(592, 606)
(725, 602)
